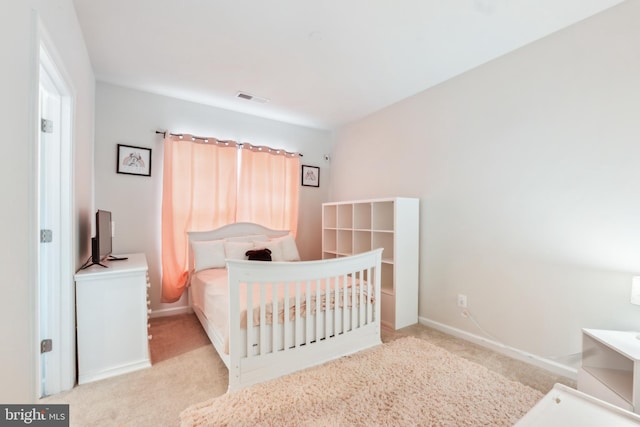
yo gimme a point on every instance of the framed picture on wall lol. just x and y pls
(310, 176)
(133, 160)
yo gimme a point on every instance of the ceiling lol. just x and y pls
(320, 64)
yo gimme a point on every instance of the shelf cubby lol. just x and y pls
(384, 240)
(361, 241)
(386, 278)
(329, 216)
(610, 363)
(329, 240)
(345, 216)
(362, 216)
(345, 242)
(382, 216)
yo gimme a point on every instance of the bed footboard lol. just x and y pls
(332, 307)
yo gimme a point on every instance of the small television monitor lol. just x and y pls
(101, 244)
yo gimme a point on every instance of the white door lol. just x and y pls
(55, 291)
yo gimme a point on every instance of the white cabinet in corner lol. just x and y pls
(112, 308)
(354, 227)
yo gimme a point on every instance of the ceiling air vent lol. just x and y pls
(249, 97)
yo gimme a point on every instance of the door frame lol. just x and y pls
(46, 56)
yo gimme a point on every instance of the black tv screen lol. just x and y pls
(101, 247)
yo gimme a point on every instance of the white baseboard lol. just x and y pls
(163, 312)
(541, 362)
(113, 371)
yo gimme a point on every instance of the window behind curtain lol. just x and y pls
(203, 189)
(268, 191)
(199, 193)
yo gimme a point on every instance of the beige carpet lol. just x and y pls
(186, 369)
(405, 382)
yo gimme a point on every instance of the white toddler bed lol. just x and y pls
(303, 313)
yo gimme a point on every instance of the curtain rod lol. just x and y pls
(205, 140)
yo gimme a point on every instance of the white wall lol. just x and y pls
(18, 86)
(528, 173)
(126, 116)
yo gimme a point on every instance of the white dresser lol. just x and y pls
(112, 308)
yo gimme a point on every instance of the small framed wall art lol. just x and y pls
(310, 176)
(134, 160)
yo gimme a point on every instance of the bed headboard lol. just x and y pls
(237, 229)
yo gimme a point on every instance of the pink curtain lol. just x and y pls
(199, 193)
(268, 190)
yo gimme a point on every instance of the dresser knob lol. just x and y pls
(150, 336)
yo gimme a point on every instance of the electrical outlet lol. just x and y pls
(462, 301)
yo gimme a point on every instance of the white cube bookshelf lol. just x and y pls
(359, 226)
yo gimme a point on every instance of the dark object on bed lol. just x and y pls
(259, 254)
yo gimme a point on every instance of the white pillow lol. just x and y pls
(274, 247)
(288, 248)
(237, 250)
(208, 254)
(250, 238)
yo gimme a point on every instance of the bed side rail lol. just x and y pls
(321, 300)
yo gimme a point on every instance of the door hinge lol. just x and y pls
(46, 236)
(46, 346)
(46, 126)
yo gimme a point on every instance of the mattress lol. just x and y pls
(210, 294)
